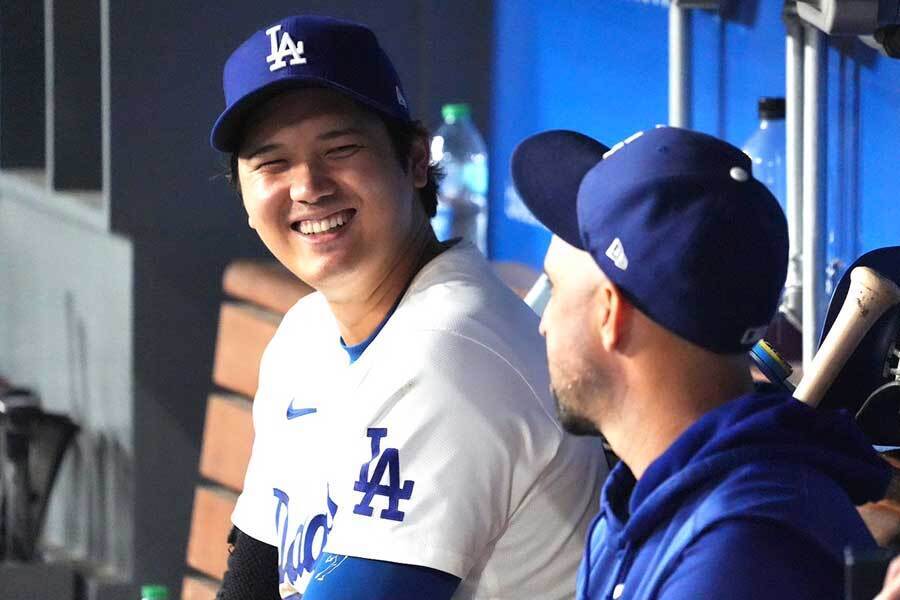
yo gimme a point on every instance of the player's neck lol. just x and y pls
(680, 392)
(360, 316)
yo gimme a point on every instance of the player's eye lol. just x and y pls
(343, 151)
(269, 164)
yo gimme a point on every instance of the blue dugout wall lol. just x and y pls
(601, 67)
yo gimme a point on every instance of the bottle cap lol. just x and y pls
(452, 112)
(771, 109)
(154, 592)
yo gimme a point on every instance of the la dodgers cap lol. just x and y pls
(302, 51)
(674, 218)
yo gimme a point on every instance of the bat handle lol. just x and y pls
(539, 294)
(868, 297)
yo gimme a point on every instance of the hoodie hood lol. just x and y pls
(756, 431)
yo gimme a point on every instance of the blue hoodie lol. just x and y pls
(755, 500)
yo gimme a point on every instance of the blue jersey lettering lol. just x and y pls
(308, 541)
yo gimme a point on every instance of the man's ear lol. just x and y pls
(250, 222)
(614, 313)
(420, 158)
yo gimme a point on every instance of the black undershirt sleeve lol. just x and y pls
(252, 569)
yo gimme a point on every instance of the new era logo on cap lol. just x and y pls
(400, 99)
(616, 253)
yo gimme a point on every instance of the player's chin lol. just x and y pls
(328, 269)
(571, 419)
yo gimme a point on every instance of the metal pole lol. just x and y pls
(679, 65)
(814, 107)
(792, 307)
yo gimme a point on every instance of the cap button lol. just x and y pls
(739, 174)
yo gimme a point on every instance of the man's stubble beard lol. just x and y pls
(570, 420)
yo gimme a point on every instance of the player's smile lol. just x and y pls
(324, 229)
(325, 224)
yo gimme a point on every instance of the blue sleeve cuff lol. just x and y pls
(338, 577)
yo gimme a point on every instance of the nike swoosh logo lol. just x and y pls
(293, 413)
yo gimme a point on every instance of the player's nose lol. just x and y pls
(310, 183)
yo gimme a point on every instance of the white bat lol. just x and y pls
(539, 294)
(870, 295)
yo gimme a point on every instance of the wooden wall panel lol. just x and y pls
(243, 334)
(265, 283)
(199, 588)
(207, 549)
(227, 440)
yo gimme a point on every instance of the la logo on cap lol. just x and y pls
(280, 50)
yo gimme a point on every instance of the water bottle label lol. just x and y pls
(475, 176)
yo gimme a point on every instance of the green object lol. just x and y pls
(452, 112)
(154, 592)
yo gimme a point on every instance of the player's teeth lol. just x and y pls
(322, 225)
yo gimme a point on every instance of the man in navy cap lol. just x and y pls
(405, 444)
(667, 264)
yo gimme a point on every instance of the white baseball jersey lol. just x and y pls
(438, 447)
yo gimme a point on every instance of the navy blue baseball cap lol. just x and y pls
(674, 218)
(304, 51)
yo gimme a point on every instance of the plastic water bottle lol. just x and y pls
(462, 198)
(766, 148)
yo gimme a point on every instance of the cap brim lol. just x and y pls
(547, 170)
(225, 135)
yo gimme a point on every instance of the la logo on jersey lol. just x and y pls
(283, 48)
(388, 464)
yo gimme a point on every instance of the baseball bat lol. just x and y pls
(539, 295)
(870, 295)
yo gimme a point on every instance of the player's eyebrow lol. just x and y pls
(261, 150)
(325, 136)
(336, 133)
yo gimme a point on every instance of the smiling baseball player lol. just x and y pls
(406, 443)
